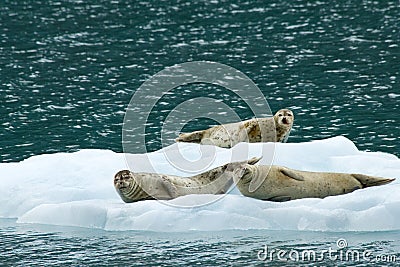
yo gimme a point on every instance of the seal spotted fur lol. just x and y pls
(134, 187)
(277, 183)
(274, 129)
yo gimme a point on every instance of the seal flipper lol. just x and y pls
(368, 181)
(254, 160)
(241, 165)
(292, 174)
(194, 137)
(279, 198)
(241, 173)
(245, 175)
(286, 137)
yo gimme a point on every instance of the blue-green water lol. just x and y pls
(69, 68)
(40, 245)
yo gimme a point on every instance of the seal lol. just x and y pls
(133, 187)
(274, 129)
(277, 183)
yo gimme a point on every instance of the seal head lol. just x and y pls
(127, 187)
(283, 122)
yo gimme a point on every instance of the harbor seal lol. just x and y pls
(277, 183)
(134, 187)
(274, 129)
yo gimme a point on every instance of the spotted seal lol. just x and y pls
(274, 129)
(134, 187)
(277, 183)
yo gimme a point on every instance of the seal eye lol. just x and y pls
(280, 115)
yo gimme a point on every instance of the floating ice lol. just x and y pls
(76, 189)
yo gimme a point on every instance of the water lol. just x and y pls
(69, 69)
(81, 247)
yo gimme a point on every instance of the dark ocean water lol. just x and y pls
(42, 245)
(69, 68)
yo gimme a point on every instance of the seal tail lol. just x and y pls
(368, 181)
(194, 137)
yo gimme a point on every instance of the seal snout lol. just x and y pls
(121, 185)
(121, 179)
(285, 117)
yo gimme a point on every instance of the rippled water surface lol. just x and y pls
(69, 68)
(24, 245)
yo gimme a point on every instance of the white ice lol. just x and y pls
(76, 189)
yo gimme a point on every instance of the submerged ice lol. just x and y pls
(76, 189)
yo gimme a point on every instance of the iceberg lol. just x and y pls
(76, 189)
